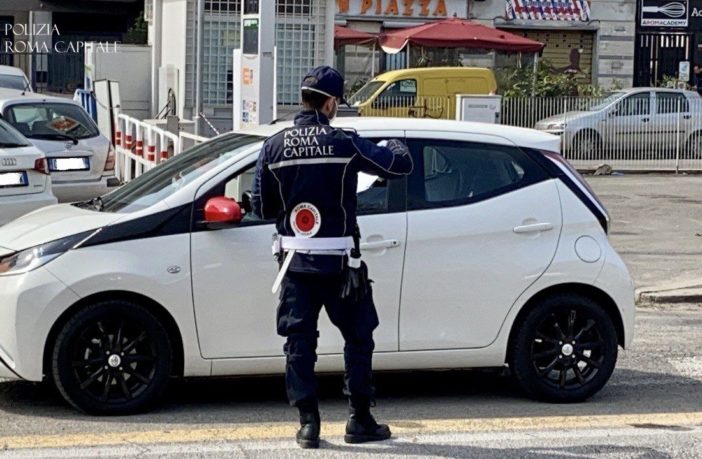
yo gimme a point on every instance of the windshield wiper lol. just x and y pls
(60, 135)
(12, 145)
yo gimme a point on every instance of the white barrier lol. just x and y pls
(140, 146)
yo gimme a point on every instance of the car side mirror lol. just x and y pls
(222, 212)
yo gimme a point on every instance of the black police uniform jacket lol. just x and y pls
(306, 179)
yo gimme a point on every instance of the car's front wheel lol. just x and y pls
(564, 350)
(112, 357)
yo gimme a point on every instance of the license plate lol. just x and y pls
(9, 179)
(68, 164)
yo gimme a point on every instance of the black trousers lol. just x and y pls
(301, 299)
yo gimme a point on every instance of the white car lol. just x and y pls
(494, 251)
(14, 78)
(25, 184)
(81, 159)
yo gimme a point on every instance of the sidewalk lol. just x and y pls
(656, 226)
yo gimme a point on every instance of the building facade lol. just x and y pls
(46, 37)
(591, 39)
(668, 33)
(304, 36)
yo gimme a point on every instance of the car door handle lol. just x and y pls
(533, 228)
(385, 244)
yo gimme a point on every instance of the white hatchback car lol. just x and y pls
(25, 184)
(81, 159)
(494, 251)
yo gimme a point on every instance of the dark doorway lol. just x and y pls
(659, 54)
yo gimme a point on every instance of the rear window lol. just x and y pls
(10, 138)
(51, 121)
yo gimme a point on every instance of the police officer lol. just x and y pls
(306, 179)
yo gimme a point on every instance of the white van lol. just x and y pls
(81, 159)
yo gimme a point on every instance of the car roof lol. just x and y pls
(523, 137)
(438, 71)
(10, 70)
(656, 89)
(13, 96)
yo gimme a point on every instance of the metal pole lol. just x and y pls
(407, 64)
(677, 139)
(198, 65)
(156, 54)
(373, 62)
(536, 69)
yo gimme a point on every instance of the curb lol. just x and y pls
(670, 294)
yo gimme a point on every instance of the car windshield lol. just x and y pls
(51, 121)
(365, 92)
(167, 178)
(610, 98)
(13, 82)
(10, 138)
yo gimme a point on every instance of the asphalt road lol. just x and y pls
(651, 408)
(656, 225)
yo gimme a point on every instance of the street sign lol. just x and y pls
(684, 71)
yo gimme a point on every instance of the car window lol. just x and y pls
(671, 102)
(451, 172)
(10, 138)
(171, 176)
(400, 93)
(51, 121)
(635, 105)
(14, 82)
(373, 194)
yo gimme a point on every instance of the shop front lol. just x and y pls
(359, 63)
(668, 33)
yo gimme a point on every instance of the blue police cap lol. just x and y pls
(324, 80)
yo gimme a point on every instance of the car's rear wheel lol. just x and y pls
(564, 350)
(586, 145)
(112, 357)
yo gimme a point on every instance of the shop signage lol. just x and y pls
(664, 13)
(548, 10)
(401, 8)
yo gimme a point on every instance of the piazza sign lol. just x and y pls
(401, 8)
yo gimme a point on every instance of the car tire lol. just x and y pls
(546, 363)
(112, 358)
(586, 145)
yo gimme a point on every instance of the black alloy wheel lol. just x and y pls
(112, 357)
(565, 350)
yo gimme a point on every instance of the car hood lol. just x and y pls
(49, 224)
(562, 118)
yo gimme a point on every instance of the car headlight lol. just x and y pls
(556, 126)
(32, 258)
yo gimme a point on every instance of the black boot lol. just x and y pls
(308, 435)
(361, 426)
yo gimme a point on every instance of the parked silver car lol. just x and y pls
(638, 119)
(81, 159)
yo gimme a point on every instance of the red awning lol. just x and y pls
(344, 36)
(457, 33)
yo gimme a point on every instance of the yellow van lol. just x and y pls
(422, 92)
